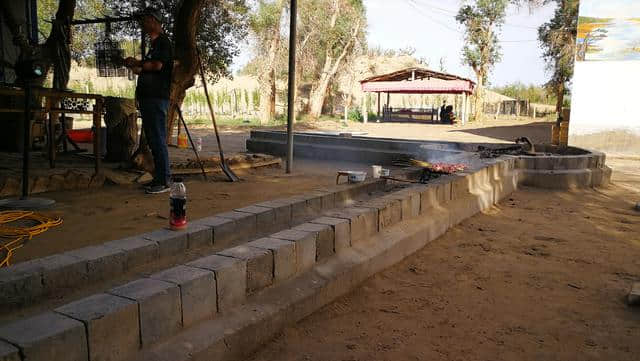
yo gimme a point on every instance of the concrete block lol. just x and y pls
(138, 251)
(282, 211)
(284, 256)
(461, 185)
(197, 292)
(231, 279)
(592, 162)
(63, 271)
(305, 247)
(389, 211)
(527, 162)
(111, 323)
(305, 207)
(223, 229)
(158, 305)
(341, 231)
(410, 198)
(325, 239)
(102, 262)
(346, 193)
(265, 219)
(259, 265)
(199, 236)
(8, 352)
(461, 209)
(48, 336)
(544, 163)
(363, 221)
(169, 242)
(328, 198)
(20, 284)
(246, 224)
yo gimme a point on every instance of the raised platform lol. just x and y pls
(258, 269)
(551, 167)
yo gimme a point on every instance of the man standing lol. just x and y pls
(152, 94)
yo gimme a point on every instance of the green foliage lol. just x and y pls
(84, 36)
(223, 24)
(255, 96)
(355, 115)
(558, 40)
(482, 21)
(532, 93)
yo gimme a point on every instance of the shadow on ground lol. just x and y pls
(538, 132)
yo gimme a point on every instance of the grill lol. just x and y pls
(109, 59)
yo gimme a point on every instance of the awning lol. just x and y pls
(423, 86)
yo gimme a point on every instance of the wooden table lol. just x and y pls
(52, 97)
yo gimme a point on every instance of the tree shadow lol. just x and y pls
(538, 132)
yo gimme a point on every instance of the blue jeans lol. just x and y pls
(154, 123)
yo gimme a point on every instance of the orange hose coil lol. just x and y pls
(14, 238)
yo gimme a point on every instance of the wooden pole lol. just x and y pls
(378, 105)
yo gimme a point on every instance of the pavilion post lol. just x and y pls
(378, 106)
(464, 108)
(365, 108)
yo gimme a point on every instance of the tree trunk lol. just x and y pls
(186, 55)
(479, 96)
(268, 78)
(560, 102)
(330, 68)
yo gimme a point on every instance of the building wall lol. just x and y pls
(605, 109)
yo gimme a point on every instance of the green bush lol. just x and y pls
(354, 115)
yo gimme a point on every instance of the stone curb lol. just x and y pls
(28, 282)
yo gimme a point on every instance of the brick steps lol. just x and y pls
(216, 290)
(28, 283)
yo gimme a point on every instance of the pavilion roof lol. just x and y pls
(418, 81)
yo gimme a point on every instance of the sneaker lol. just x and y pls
(157, 189)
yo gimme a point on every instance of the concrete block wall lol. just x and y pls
(29, 282)
(196, 295)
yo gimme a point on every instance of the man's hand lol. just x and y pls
(131, 62)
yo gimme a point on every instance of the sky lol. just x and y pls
(610, 8)
(429, 26)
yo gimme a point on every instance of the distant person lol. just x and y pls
(450, 115)
(443, 110)
(152, 93)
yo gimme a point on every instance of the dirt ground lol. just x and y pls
(96, 216)
(112, 212)
(542, 276)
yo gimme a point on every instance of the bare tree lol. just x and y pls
(346, 24)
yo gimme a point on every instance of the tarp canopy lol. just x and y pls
(418, 81)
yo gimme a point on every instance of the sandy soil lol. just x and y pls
(113, 212)
(96, 216)
(542, 276)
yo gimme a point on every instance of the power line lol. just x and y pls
(452, 14)
(414, 4)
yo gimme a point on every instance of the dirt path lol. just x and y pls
(542, 276)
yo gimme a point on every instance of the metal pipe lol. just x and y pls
(292, 82)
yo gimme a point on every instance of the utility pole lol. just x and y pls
(292, 83)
